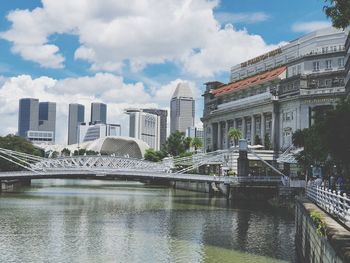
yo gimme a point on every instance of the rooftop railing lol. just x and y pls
(335, 203)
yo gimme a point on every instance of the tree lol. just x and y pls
(335, 134)
(19, 144)
(175, 143)
(268, 145)
(65, 152)
(187, 143)
(197, 143)
(153, 155)
(235, 134)
(257, 140)
(339, 12)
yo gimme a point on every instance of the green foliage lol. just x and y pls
(235, 134)
(65, 152)
(267, 144)
(197, 143)
(185, 154)
(84, 152)
(175, 144)
(18, 144)
(187, 143)
(257, 140)
(319, 222)
(335, 133)
(153, 155)
(329, 135)
(339, 12)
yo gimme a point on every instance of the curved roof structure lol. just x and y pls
(118, 145)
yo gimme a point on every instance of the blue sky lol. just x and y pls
(133, 53)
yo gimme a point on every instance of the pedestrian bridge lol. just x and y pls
(116, 167)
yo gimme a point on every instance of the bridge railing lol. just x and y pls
(333, 202)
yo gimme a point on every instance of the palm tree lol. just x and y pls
(197, 143)
(235, 135)
(188, 143)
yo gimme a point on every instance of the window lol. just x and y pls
(293, 71)
(316, 65)
(340, 62)
(299, 69)
(324, 49)
(328, 83)
(328, 64)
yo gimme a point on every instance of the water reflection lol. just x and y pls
(93, 221)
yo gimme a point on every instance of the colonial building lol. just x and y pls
(275, 94)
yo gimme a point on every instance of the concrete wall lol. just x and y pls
(192, 186)
(311, 246)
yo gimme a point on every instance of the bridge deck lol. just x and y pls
(137, 175)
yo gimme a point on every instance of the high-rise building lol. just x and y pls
(37, 121)
(28, 116)
(182, 108)
(145, 126)
(75, 118)
(47, 117)
(98, 112)
(163, 114)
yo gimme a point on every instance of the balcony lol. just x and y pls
(306, 92)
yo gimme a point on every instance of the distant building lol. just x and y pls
(96, 131)
(163, 114)
(98, 112)
(28, 116)
(194, 132)
(182, 109)
(37, 121)
(75, 118)
(47, 117)
(145, 126)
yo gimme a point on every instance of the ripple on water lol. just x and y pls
(84, 221)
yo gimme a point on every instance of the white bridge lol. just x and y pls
(109, 167)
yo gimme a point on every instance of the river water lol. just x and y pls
(109, 221)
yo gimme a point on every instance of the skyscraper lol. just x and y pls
(98, 112)
(163, 114)
(47, 117)
(37, 121)
(28, 116)
(182, 108)
(75, 118)
(145, 126)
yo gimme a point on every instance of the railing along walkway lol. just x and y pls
(333, 202)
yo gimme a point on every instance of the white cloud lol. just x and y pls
(248, 18)
(307, 27)
(136, 33)
(107, 87)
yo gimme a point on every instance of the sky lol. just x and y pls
(133, 53)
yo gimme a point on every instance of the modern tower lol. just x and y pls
(28, 116)
(75, 118)
(145, 126)
(98, 112)
(182, 108)
(37, 121)
(47, 116)
(163, 114)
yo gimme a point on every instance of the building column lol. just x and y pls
(227, 137)
(252, 130)
(262, 128)
(219, 136)
(243, 128)
(275, 127)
